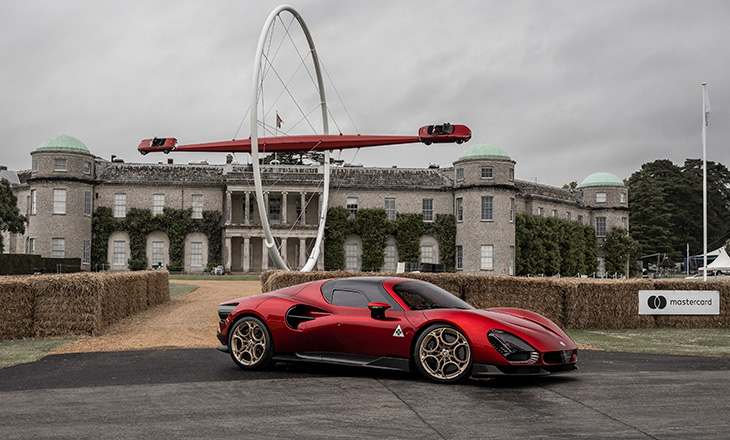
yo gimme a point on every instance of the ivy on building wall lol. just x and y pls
(373, 227)
(139, 223)
(551, 246)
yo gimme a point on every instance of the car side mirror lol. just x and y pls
(377, 309)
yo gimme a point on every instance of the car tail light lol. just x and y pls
(512, 348)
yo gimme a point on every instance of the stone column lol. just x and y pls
(302, 252)
(228, 208)
(283, 250)
(320, 259)
(283, 207)
(228, 254)
(246, 218)
(246, 254)
(264, 253)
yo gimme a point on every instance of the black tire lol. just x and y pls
(443, 354)
(250, 344)
(166, 151)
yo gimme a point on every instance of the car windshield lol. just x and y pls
(419, 295)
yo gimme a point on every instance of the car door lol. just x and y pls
(352, 329)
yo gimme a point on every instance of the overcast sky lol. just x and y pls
(566, 88)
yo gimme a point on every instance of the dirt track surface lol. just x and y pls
(189, 321)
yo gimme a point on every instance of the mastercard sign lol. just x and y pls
(679, 302)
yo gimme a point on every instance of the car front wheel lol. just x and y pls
(443, 354)
(250, 344)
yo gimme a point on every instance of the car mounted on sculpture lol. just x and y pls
(391, 323)
(439, 134)
(157, 144)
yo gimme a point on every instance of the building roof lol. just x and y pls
(485, 151)
(63, 143)
(601, 179)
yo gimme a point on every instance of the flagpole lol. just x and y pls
(704, 176)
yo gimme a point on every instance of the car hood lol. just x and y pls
(535, 329)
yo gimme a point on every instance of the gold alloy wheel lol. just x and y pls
(444, 353)
(248, 343)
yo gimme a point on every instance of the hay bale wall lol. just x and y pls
(569, 302)
(75, 304)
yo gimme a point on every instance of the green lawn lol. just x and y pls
(687, 341)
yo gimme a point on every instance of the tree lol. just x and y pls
(666, 206)
(621, 249)
(10, 218)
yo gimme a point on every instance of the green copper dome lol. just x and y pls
(63, 143)
(485, 151)
(601, 179)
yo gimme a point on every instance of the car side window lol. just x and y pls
(349, 298)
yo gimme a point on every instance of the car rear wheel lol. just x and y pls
(250, 344)
(443, 354)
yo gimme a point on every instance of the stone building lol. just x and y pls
(67, 183)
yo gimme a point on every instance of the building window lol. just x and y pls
(352, 206)
(600, 226)
(197, 202)
(87, 167)
(59, 201)
(555, 212)
(625, 223)
(274, 209)
(426, 254)
(459, 209)
(623, 197)
(158, 204)
(487, 261)
(567, 215)
(601, 197)
(580, 219)
(34, 165)
(459, 174)
(86, 252)
(487, 208)
(120, 253)
(511, 210)
(459, 257)
(391, 263)
(540, 211)
(390, 207)
(59, 164)
(487, 172)
(58, 248)
(33, 199)
(120, 205)
(427, 209)
(30, 246)
(196, 254)
(352, 257)
(511, 174)
(158, 252)
(87, 202)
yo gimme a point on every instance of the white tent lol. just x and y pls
(722, 262)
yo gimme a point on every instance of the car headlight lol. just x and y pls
(514, 349)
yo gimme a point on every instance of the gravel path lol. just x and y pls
(190, 321)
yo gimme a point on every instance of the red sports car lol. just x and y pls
(157, 144)
(438, 134)
(391, 323)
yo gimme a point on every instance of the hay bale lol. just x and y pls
(16, 308)
(606, 304)
(694, 321)
(68, 304)
(158, 287)
(541, 295)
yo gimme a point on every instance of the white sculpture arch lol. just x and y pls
(269, 241)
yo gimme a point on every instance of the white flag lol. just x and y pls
(708, 110)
